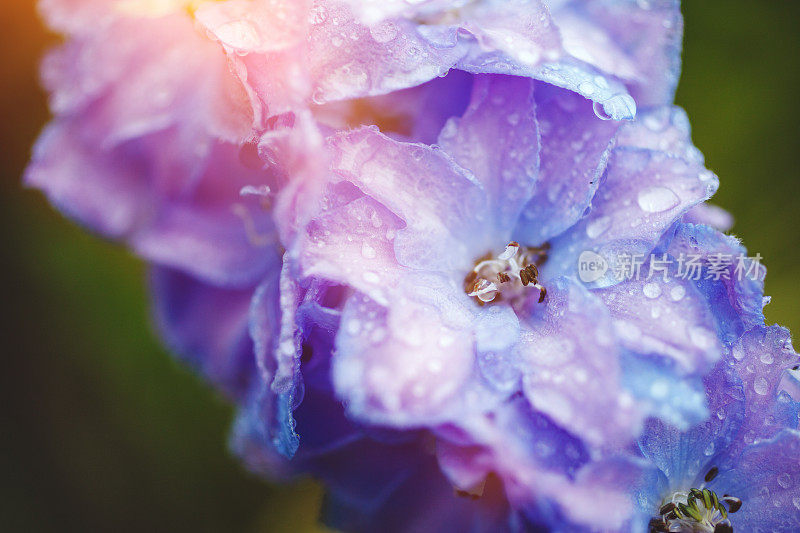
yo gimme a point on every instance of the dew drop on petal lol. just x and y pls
(353, 327)
(597, 107)
(701, 337)
(737, 352)
(784, 480)
(597, 227)
(368, 251)
(652, 290)
(766, 357)
(760, 385)
(677, 293)
(657, 199)
(384, 32)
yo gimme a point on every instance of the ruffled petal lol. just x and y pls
(353, 244)
(410, 363)
(760, 360)
(411, 45)
(570, 368)
(497, 139)
(634, 41)
(735, 287)
(644, 194)
(142, 75)
(220, 350)
(665, 317)
(767, 480)
(443, 207)
(709, 215)
(546, 472)
(685, 456)
(575, 147)
(144, 148)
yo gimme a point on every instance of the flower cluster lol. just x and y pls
(366, 223)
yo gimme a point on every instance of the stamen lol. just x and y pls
(507, 274)
(711, 474)
(734, 503)
(698, 511)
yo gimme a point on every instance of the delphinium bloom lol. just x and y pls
(738, 471)
(365, 221)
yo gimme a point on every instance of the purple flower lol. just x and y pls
(367, 223)
(739, 470)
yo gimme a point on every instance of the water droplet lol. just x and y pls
(597, 227)
(785, 480)
(353, 327)
(701, 337)
(446, 340)
(709, 450)
(760, 385)
(384, 32)
(598, 109)
(371, 277)
(368, 251)
(657, 199)
(618, 107)
(766, 357)
(737, 352)
(318, 14)
(652, 290)
(677, 293)
(586, 88)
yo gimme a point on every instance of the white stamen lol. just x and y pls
(510, 251)
(503, 274)
(485, 291)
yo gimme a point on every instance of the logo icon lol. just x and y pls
(591, 266)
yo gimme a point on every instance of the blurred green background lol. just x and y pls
(101, 431)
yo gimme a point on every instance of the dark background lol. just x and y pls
(101, 430)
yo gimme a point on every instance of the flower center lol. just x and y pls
(696, 511)
(507, 275)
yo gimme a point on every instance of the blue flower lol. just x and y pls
(739, 470)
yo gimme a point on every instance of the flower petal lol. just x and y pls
(644, 194)
(497, 139)
(410, 363)
(570, 369)
(575, 147)
(637, 42)
(221, 350)
(668, 318)
(442, 205)
(353, 244)
(760, 360)
(737, 297)
(767, 480)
